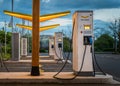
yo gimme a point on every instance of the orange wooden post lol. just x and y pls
(35, 38)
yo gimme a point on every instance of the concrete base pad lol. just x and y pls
(47, 77)
(30, 57)
(39, 56)
(29, 61)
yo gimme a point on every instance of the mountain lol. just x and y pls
(101, 24)
(101, 27)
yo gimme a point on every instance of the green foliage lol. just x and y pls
(43, 50)
(8, 44)
(6, 56)
(114, 26)
(66, 44)
(8, 36)
(8, 49)
(119, 43)
(2, 36)
(104, 43)
(30, 44)
(108, 49)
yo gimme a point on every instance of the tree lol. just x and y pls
(118, 35)
(8, 43)
(66, 46)
(2, 37)
(67, 40)
(103, 43)
(115, 29)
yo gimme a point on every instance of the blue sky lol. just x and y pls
(104, 11)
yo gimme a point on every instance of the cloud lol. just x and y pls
(105, 10)
(64, 24)
(61, 21)
(80, 4)
(46, 1)
(1, 1)
(2, 24)
(107, 15)
(17, 0)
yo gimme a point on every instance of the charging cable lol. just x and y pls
(78, 71)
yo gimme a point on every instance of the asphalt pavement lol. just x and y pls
(110, 63)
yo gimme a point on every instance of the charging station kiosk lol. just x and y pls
(23, 46)
(82, 41)
(51, 47)
(16, 47)
(58, 40)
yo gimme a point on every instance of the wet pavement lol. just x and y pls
(110, 63)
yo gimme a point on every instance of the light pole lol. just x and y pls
(28, 43)
(12, 31)
(23, 30)
(5, 38)
(12, 16)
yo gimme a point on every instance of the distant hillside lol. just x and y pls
(44, 41)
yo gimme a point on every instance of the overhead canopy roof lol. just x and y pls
(40, 29)
(42, 18)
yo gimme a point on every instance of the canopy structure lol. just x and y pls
(35, 18)
(40, 29)
(42, 18)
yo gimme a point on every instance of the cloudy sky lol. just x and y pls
(104, 10)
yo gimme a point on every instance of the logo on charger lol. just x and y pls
(84, 16)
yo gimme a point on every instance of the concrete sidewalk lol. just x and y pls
(47, 77)
(23, 78)
(29, 61)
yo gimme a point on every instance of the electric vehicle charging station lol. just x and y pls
(58, 44)
(82, 43)
(23, 46)
(51, 47)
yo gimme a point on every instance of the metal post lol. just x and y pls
(12, 32)
(35, 38)
(23, 30)
(12, 16)
(28, 44)
(5, 37)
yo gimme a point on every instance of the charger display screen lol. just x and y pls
(87, 27)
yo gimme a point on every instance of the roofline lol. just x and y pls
(84, 11)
